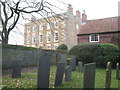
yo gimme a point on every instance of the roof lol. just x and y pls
(99, 26)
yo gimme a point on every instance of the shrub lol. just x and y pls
(108, 54)
(85, 52)
(99, 53)
(62, 47)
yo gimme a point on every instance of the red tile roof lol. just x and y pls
(99, 26)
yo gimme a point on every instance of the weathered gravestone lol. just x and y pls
(59, 74)
(63, 59)
(108, 75)
(16, 69)
(68, 71)
(73, 62)
(89, 76)
(43, 72)
(117, 71)
(80, 66)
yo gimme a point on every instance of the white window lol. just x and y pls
(41, 26)
(48, 36)
(55, 45)
(33, 38)
(55, 24)
(28, 29)
(34, 29)
(48, 46)
(48, 26)
(94, 38)
(28, 39)
(55, 36)
(77, 26)
(40, 37)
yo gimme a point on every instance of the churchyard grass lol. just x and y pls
(29, 79)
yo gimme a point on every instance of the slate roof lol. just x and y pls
(100, 26)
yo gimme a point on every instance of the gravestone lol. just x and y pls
(16, 69)
(73, 62)
(68, 71)
(89, 76)
(43, 72)
(63, 59)
(108, 75)
(59, 74)
(117, 71)
(80, 66)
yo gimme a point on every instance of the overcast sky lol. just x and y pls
(95, 9)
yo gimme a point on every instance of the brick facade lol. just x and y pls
(107, 29)
(113, 38)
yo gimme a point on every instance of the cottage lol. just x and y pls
(106, 30)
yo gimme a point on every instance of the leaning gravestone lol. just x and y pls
(117, 71)
(73, 62)
(59, 74)
(16, 69)
(108, 75)
(63, 59)
(89, 76)
(80, 66)
(68, 71)
(43, 72)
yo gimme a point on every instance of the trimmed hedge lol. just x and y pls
(62, 47)
(99, 53)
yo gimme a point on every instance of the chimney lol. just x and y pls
(84, 17)
(78, 13)
(70, 9)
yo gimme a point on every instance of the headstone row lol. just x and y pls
(44, 70)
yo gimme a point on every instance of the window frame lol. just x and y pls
(55, 36)
(41, 26)
(40, 39)
(56, 24)
(28, 29)
(94, 37)
(48, 37)
(34, 28)
(33, 38)
(48, 26)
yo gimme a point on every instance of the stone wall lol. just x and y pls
(28, 56)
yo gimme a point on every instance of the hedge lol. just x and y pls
(99, 53)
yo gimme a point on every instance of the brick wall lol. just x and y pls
(113, 38)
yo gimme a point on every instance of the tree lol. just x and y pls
(10, 12)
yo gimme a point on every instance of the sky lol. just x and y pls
(95, 9)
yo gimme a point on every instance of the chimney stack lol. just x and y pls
(70, 9)
(84, 17)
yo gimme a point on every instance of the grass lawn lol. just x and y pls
(29, 79)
